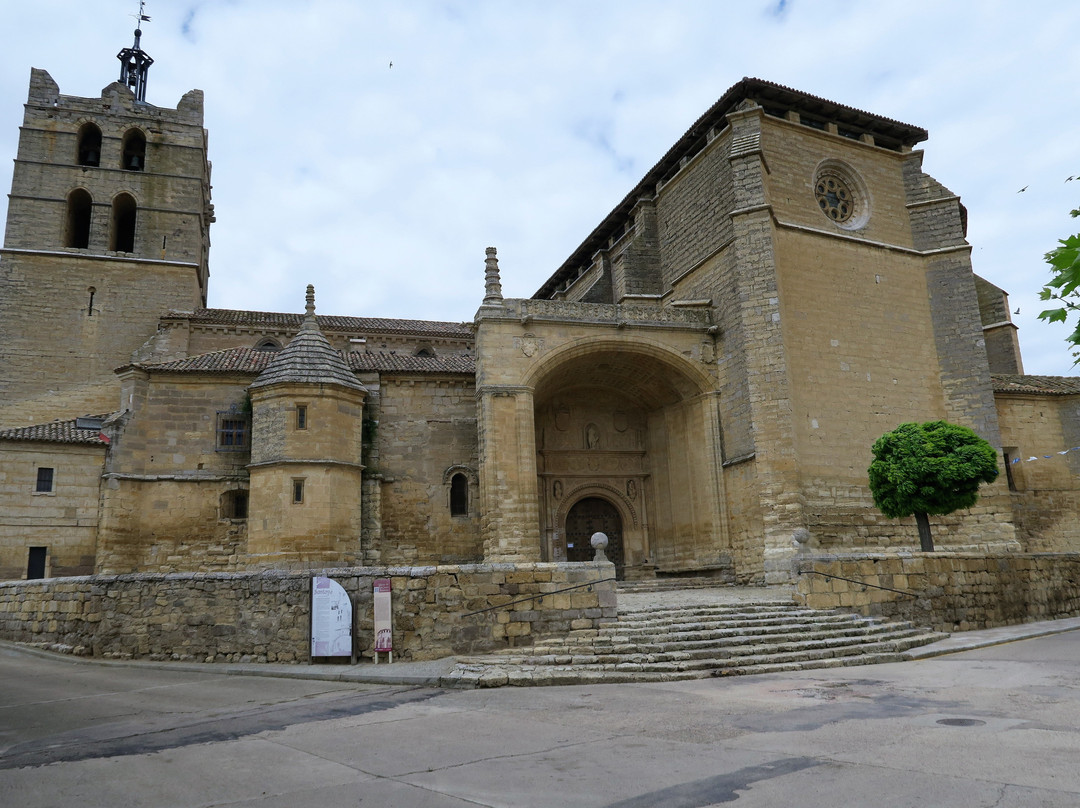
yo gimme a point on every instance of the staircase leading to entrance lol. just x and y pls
(696, 633)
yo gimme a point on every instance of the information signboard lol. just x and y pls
(384, 630)
(331, 619)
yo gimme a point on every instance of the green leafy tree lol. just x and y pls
(1064, 286)
(931, 468)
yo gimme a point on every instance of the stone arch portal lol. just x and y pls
(638, 429)
(591, 515)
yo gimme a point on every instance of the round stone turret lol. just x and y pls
(307, 414)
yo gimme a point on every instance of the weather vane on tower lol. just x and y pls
(134, 61)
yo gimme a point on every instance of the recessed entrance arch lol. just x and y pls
(641, 422)
(594, 515)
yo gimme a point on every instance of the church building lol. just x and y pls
(702, 378)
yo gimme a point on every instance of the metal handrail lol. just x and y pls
(863, 583)
(538, 595)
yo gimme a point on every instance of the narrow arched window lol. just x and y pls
(77, 225)
(122, 230)
(89, 151)
(459, 495)
(268, 344)
(133, 153)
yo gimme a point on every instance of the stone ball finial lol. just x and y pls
(800, 537)
(599, 542)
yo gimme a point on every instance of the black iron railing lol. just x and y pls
(863, 584)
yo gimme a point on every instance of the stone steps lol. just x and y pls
(697, 641)
(669, 584)
(706, 648)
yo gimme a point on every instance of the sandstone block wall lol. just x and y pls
(948, 592)
(167, 525)
(265, 616)
(85, 340)
(424, 431)
(45, 281)
(64, 520)
(1046, 491)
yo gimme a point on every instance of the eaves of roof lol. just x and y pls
(327, 323)
(56, 432)
(1036, 385)
(251, 362)
(886, 130)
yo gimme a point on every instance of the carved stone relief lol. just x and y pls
(562, 418)
(529, 344)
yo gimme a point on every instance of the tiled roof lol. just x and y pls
(358, 325)
(56, 432)
(390, 363)
(250, 361)
(308, 359)
(229, 360)
(1036, 385)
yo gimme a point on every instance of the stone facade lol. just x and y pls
(102, 299)
(265, 616)
(702, 379)
(60, 517)
(947, 591)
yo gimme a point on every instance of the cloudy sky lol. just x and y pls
(519, 124)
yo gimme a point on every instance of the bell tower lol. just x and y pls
(107, 229)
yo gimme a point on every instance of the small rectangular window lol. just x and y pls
(301, 416)
(44, 480)
(36, 562)
(233, 433)
(234, 504)
(297, 491)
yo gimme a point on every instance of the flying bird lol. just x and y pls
(1017, 310)
(1070, 179)
(1022, 190)
(391, 63)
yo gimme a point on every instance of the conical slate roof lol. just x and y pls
(308, 358)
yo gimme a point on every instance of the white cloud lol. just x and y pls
(519, 125)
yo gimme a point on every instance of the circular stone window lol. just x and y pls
(840, 196)
(834, 197)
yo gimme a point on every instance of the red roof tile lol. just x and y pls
(1036, 385)
(328, 323)
(250, 361)
(56, 432)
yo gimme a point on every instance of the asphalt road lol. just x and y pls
(993, 727)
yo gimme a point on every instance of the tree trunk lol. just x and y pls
(926, 541)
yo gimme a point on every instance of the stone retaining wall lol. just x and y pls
(265, 616)
(949, 591)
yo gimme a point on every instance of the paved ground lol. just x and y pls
(991, 727)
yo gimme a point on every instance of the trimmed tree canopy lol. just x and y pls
(931, 468)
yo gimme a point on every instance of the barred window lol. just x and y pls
(44, 480)
(233, 433)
